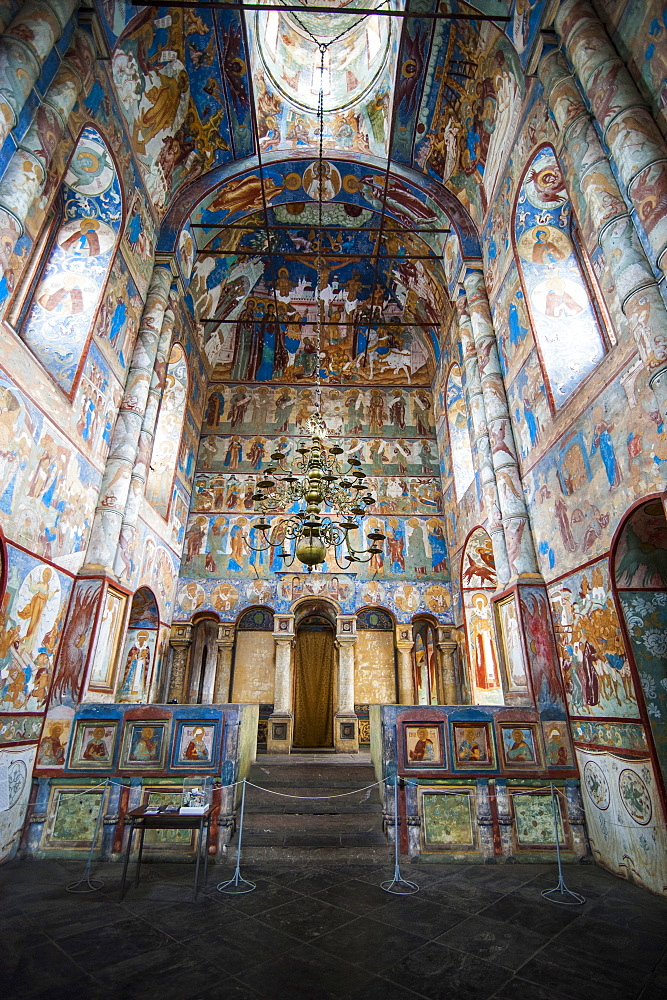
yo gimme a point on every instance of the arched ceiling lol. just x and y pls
(420, 103)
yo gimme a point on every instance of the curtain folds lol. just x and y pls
(313, 688)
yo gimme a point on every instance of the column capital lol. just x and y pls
(180, 634)
(346, 629)
(283, 627)
(226, 634)
(404, 640)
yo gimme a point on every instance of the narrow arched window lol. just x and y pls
(168, 432)
(559, 287)
(57, 317)
(424, 663)
(459, 435)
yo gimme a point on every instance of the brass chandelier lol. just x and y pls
(315, 478)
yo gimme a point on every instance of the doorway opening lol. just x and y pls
(314, 669)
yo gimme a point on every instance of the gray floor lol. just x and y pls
(471, 933)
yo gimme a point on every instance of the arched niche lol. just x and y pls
(254, 657)
(478, 584)
(640, 580)
(315, 671)
(203, 659)
(137, 663)
(374, 658)
(425, 661)
(55, 318)
(167, 440)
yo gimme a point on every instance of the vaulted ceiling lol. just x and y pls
(321, 160)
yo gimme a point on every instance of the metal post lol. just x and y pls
(568, 898)
(238, 885)
(85, 883)
(398, 886)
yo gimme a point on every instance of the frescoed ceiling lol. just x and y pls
(271, 138)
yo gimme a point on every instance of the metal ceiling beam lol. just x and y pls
(298, 254)
(324, 228)
(303, 8)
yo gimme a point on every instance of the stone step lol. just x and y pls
(311, 777)
(312, 856)
(311, 823)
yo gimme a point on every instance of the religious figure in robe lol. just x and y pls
(196, 749)
(137, 667)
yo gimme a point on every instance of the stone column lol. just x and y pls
(25, 177)
(24, 47)
(281, 720)
(446, 655)
(114, 491)
(589, 171)
(518, 537)
(627, 126)
(223, 673)
(487, 473)
(139, 477)
(346, 724)
(404, 644)
(179, 640)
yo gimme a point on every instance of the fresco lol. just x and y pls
(32, 617)
(17, 763)
(73, 276)
(592, 655)
(137, 659)
(355, 78)
(459, 435)
(567, 330)
(48, 489)
(169, 428)
(610, 454)
(120, 311)
(625, 828)
(97, 400)
(641, 578)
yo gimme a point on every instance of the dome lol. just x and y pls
(357, 51)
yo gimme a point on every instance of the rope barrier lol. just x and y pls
(315, 798)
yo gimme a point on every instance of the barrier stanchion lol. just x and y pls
(398, 885)
(237, 885)
(568, 898)
(86, 883)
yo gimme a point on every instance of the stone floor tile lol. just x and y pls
(236, 948)
(306, 918)
(507, 944)
(370, 944)
(441, 973)
(40, 967)
(419, 916)
(306, 974)
(355, 895)
(538, 915)
(126, 938)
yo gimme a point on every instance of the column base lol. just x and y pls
(279, 732)
(346, 732)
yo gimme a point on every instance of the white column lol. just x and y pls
(404, 644)
(281, 720)
(223, 671)
(346, 724)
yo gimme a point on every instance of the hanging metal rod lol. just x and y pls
(301, 9)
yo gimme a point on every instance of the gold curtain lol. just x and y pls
(313, 688)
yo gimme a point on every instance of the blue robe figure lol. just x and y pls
(517, 331)
(117, 323)
(438, 543)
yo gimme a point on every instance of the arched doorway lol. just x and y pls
(314, 672)
(424, 665)
(640, 579)
(203, 661)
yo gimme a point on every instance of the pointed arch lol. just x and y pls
(563, 301)
(459, 434)
(57, 316)
(169, 430)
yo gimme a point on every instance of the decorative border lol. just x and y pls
(196, 765)
(125, 764)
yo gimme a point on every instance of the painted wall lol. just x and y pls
(374, 670)
(254, 667)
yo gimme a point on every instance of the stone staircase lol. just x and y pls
(315, 828)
